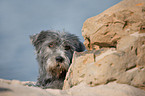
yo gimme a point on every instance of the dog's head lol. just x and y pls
(55, 51)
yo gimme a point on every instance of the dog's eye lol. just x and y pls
(67, 48)
(50, 45)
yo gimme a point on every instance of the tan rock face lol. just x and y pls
(119, 33)
(107, 28)
(16, 88)
(125, 65)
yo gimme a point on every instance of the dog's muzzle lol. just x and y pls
(59, 68)
(59, 59)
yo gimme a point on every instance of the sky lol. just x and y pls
(21, 18)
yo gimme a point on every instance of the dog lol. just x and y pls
(54, 51)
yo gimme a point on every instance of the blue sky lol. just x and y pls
(21, 18)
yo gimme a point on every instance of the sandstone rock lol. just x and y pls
(111, 89)
(8, 88)
(77, 71)
(107, 28)
(126, 64)
(18, 89)
(119, 33)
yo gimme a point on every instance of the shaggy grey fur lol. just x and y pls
(54, 54)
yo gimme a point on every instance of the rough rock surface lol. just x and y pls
(119, 33)
(107, 65)
(17, 88)
(107, 28)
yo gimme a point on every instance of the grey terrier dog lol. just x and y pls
(54, 54)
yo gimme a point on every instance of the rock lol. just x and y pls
(17, 88)
(119, 34)
(107, 28)
(113, 89)
(125, 64)
(77, 71)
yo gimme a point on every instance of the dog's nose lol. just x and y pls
(59, 59)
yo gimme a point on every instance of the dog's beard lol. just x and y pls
(57, 69)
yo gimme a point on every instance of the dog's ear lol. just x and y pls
(33, 38)
(80, 47)
(75, 41)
